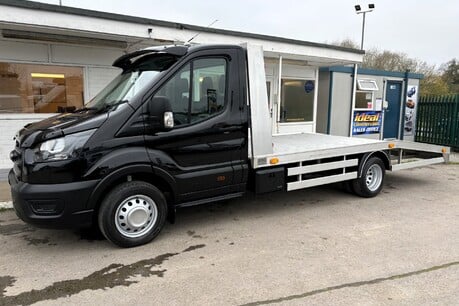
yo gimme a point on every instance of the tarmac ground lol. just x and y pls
(313, 246)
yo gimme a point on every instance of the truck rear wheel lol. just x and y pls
(372, 179)
(132, 214)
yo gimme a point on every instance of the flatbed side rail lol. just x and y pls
(319, 172)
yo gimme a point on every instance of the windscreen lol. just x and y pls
(133, 80)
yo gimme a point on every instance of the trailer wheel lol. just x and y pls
(132, 214)
(372, 179)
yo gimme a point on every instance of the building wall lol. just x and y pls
(341, 101)
(340, 115)
(97, 73)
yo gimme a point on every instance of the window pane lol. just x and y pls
(363, 99)
(209, 87)
(297, 103)
(28, 88)
(367, 85)
(176, 90)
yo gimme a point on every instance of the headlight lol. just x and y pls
(62, 148)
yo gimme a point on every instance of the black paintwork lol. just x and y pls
(191, 163)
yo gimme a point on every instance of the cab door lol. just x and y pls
(206, 139)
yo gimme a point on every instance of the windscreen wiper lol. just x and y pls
(85, 109)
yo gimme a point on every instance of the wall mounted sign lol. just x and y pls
(410, 110)
(309, 86)
(366, 122)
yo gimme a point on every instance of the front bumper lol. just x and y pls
(53, 205)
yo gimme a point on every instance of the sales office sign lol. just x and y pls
(366, 122)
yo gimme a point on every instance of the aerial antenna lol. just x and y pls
(196, 35)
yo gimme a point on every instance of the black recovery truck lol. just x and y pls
(180, 126)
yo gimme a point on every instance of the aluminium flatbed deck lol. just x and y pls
(291, 148)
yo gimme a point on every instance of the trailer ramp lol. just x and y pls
(436, 154)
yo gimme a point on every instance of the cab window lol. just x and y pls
(197, 91)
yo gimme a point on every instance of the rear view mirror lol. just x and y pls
(161, 116)
(168, 120)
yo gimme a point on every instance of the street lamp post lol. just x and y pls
(358, 10)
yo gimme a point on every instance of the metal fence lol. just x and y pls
(438, 120)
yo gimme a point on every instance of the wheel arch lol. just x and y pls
(383, 155)
(142, 172)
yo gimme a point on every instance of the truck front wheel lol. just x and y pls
(132, 214)
(372, 179)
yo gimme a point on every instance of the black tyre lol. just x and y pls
(132, 214)
(372, 179)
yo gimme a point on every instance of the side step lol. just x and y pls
(209, 200)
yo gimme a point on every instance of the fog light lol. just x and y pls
(46, 207)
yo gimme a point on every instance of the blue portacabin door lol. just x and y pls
(392, 113)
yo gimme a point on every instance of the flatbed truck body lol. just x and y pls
(181, 126)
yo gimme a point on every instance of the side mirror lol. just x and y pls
(161, 116)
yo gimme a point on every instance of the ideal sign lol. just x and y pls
(366, 122)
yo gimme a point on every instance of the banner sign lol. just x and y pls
(410, 110)
(366, 122)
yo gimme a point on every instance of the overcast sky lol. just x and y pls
(427, 30)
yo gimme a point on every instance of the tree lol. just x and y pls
(450, 74)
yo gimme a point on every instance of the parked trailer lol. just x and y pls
(164, 135)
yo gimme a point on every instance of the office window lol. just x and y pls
(27, 88)
(364, 99)
(368, 85)
(297, 103)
